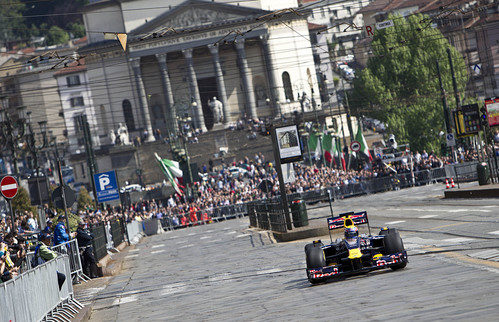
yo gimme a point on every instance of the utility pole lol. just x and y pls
(454, 84)
(448, 126)
(92, 166)
(62, 186)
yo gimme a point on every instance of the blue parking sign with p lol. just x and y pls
(106, 186)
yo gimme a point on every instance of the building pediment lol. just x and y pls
(193, 14)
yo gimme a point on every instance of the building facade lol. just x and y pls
(76, 100)
(180, 58)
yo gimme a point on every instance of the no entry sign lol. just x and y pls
(9, 187)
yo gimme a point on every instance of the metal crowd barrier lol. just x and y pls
(71, 249)
(99, 243)
(117, 234)
(35, 295)
(134, 231)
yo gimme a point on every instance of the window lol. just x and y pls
(335, 13)
(77, 124)
(349, 11)
(73, 80)
(128, 114)
(76, 101)
(288, 90)
(323, 13)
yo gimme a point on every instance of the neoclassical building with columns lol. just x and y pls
(257, 62)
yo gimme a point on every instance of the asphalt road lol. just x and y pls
(225, 272)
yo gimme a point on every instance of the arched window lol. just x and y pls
(288, 90)
(128, 114)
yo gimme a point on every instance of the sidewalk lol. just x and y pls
(487, 191)
(87, 292)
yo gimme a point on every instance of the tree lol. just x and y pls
(84, 200)
(12, 25)
(77, 29)
(22, 202)
(400, 85)
(56, 36)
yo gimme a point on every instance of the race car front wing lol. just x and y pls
(334, 270)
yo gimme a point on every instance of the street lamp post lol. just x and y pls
(34, 149)
(11, 132)
(184, 153)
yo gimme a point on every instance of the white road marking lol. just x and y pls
(219, 277)
(215, 240)
(489, 206)
(191, 234)
(209, 231)
(157, 251)
(231, 232)
(427, 216)
(173, 237)
(158, 245)
(494, 232)
(180, 242)
(269, 271)
(173, 288)
(486, 254)
(134, 250)
(185, 246)
(457, 240)
(243, 235)
(124, 300)
(132, 256)
(394, 222)
(205, 237)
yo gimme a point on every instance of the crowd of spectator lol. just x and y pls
(227, 184)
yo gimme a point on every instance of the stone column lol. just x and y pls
(141, 91)
(275, 96)
(169, 113)
(220, 81)
(249, 93)
(194, 90)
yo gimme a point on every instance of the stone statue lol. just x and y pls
(306, 101)
(112, 136)
(123, 134)
(217, 109)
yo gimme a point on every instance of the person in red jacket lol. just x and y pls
(193, 216)
(183, 221)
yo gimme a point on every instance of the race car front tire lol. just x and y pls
(393, 245)
(314, 256)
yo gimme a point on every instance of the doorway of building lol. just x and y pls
(207, 90)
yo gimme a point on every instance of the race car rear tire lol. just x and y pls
(314, 256)
(393, 245)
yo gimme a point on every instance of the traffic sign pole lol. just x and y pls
(8, 189)
(63, 195)
(9, 201)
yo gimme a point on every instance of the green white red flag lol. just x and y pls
(171, 169)
(359, 137)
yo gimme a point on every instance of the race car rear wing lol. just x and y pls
(347, 219)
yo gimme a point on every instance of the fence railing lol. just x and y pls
(71, 249)
(99, 243)
(117, 233)
(35, 294)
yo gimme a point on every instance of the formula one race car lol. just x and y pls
(354, 254)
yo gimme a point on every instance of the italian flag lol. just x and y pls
(328, 147)
(359, 137)
(313, 144)
(341, 155)
(172, 171)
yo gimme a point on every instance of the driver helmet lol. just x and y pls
(351, 233)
